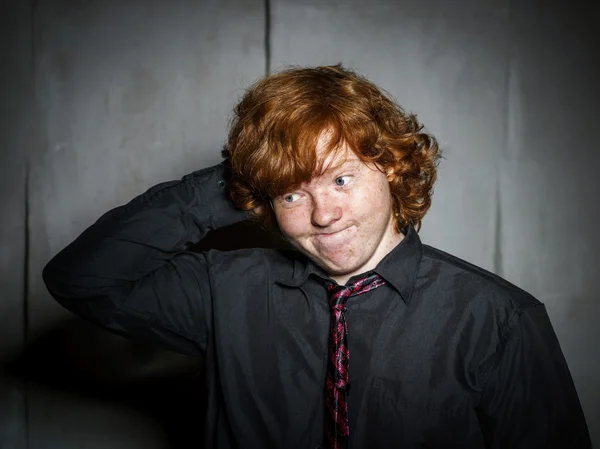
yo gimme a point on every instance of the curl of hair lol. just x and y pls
(276, 126)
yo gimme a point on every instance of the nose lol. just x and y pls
(326, 210)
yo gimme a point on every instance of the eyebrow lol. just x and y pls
(345, 162)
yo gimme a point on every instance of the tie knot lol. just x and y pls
(338, 294)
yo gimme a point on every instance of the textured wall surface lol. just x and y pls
(104, 99)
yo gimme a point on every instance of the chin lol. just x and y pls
(341, 270)
(334, 267)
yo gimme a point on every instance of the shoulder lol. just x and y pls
(485, 310)
(474, 288)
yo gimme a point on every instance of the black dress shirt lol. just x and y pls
(445, 355)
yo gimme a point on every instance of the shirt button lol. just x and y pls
(221, 183)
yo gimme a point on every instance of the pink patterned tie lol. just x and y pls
(337, 430)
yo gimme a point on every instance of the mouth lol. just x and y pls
(331, 234)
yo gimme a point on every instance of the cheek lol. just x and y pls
(292, 222)
(381, 196)
(369, 201)
(371, 205)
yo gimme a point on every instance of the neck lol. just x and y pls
(387, 245)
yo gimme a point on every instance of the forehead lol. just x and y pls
(329, 159)
(341, 160)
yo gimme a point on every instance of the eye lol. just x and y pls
(342, 180)
(291, 198)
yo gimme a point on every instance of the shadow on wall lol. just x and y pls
(80, 358)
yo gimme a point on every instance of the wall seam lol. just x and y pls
(498, 259)
(267, 36)
(27, 224)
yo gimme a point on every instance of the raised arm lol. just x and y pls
(131, 271)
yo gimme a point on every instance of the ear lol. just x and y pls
(258, 210)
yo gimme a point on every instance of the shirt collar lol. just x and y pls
(399, 267)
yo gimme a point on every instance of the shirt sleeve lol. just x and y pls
(530, 400)
(132, 272)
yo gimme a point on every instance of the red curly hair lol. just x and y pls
(276, 125)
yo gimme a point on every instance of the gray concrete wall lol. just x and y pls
(103, 99)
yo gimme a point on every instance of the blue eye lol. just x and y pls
(342, 180)
(290, 198)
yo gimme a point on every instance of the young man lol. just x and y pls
(363, 337)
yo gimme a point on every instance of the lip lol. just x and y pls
(331, 234)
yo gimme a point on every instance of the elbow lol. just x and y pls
(55, 278)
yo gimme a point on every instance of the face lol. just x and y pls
(341, 219)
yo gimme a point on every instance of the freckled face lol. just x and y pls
(341, 219)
